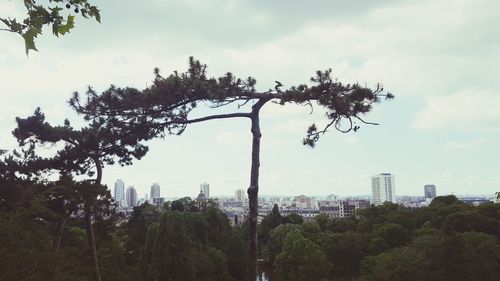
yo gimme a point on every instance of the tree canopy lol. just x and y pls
(165, 106)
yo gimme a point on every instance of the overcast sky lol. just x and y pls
(439, 57)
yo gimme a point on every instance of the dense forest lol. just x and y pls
(43, 237)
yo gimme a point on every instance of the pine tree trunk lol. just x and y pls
(88, 223)
(91, 240)
(59, 234)
(253, 192)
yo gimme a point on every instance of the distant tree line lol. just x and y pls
(449, 240)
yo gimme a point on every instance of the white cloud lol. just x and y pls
(11, 9)
(352, 140)
(423, 54)
(233, 138)
(469, 109)
(294, 126)
(461, 145)
(283, 111)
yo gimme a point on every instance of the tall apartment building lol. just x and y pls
(383, 189)
(120, 193)
(155, 191)
(429, 192)
(131, 197)
(205, 188)
(240, 195)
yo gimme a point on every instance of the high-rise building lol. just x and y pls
(383, 189)
(429, 192)
(240, 195)
(205, 188)
(120, 193)
(131, 197)
(155, 191)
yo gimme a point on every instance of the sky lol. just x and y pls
(440, 59)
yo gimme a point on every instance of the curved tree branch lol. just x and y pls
(211, 117)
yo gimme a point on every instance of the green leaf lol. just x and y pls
(70, 23)
(28, 3)
(55, 29)
(55, 10)
(29, 41)
(15, 26)
(94, 12)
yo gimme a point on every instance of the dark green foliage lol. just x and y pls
(300, 259)
(187, 246)
(403, 264)
(100, 142)
(347, 224)
(26, 242)
(293, 218)
(85, 152)
(445, 201)
(28, 231)
(442, 242)
(269, 222)
(167, 251)
(435, 256)
(184, 204)
(455, 242)
(322, 220)
(276, 238)
(387, 236)
(344, 251)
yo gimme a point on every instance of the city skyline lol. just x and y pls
(238, 193)
(441, 128)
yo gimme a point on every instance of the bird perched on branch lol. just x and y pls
(277, 87)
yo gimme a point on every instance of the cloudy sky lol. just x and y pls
(439, 57)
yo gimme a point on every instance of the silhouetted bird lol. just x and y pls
(277, 87)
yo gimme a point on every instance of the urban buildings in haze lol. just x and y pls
(205, 188)
(429, 192)
(158, 201)
(240, 195)
(131, 197)
(155, 191)
(383, 189)
(120, 193)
